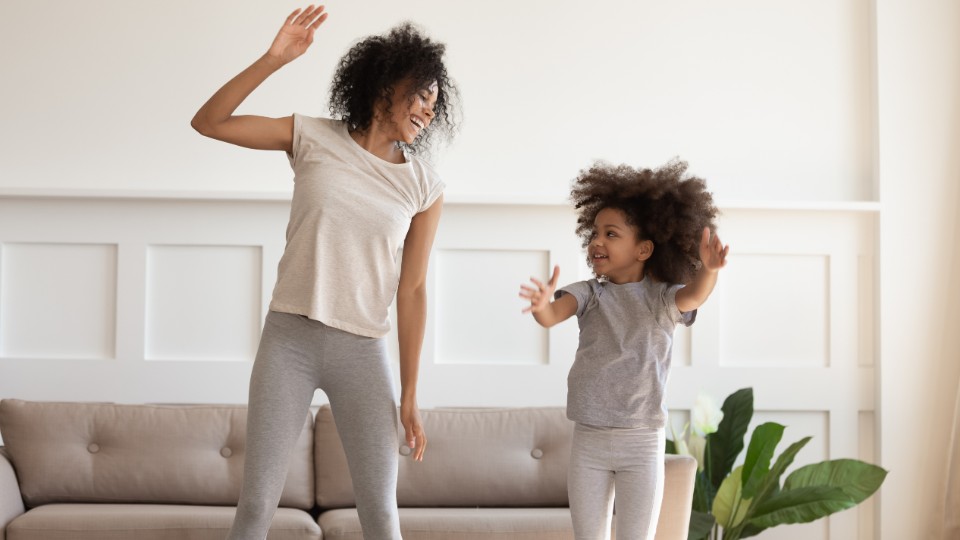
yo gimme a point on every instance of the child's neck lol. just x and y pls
(631, 275)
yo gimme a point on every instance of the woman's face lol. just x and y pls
(411, 112)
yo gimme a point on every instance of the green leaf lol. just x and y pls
(801, 505)
(769, 487)
(763, 444)
(818, 490)
(703, 493)
(671, 447)
(725, 445)
(700, 525)
(751, 530)
(729, 508)
(856, 478)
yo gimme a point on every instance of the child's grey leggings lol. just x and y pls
(297, 355)
(626, 460)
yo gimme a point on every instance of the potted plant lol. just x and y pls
(732, 503)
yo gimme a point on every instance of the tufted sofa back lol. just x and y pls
(98, 452)
(475, 457)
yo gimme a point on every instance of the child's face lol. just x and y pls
(616, 250)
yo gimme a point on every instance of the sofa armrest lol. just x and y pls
(677, 497)
(11, 504)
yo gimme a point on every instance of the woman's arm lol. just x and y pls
(412, 318)
(544, 311)
(713, 257)
(215, 118)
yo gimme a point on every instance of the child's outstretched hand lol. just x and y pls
(713, 254)
(539, 295)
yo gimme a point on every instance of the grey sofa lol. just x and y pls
(113, 472)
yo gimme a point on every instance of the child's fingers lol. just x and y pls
(555, 276)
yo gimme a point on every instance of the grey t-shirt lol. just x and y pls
(626, 339)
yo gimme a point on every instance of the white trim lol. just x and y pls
(451, 197)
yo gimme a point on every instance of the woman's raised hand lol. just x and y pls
(296, 35)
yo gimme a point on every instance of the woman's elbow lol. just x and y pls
(411, 291)
(202, 127)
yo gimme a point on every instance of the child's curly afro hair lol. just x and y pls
(371, 68)
(666, 205)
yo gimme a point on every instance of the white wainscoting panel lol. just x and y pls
(755, 330)
(682, 339)
(493, 249)
(213, 312)
(57, 300)
(468, 332)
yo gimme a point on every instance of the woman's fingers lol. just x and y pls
(317, 22)
(304, 15)
(421, 446)
(309, 17)
(292, 16)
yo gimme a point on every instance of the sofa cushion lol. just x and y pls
(460, 524)
(475, 457)
(95, 452)
(149, 522)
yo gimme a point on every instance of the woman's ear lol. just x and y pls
(644, 250)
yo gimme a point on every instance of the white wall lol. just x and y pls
(919, 120)
(837, 116)
(765, 100)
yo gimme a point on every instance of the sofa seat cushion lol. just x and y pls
(460, 524)
(148, 522)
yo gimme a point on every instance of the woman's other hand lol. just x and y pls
(416, 439)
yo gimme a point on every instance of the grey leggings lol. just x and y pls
(626, 460)
(297, 355)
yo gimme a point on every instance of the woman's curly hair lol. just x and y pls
(667, 206)
(371, 68)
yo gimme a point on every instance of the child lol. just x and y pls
(649, 240)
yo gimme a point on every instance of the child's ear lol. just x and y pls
(644, 250)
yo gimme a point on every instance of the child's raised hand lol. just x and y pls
(539, 295)
(713, 254)
(296, 34)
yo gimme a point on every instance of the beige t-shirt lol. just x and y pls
(350, 214)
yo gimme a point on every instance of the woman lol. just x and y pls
(361, 197)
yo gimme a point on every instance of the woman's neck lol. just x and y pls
(375, 140)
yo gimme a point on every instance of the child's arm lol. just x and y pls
(545, 312)
(713, 256)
